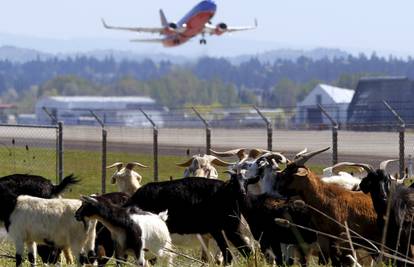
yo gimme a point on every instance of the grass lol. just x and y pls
(87, 166)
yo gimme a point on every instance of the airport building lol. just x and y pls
(75, 110)
(335, 101)
(367, 106)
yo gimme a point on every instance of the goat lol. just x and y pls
(261, 173)
(198, 206)
(383, 188)
(340, 204)
(134, 230)
(202, 166)
(45, 221)
(333, 175)
(38, 186)
(127, 180)
(260, 212)
(104, 244)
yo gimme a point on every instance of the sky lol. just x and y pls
(353, 25)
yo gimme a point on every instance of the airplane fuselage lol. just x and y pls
(194, 23)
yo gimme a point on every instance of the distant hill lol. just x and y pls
(21, 55)
(292, 54)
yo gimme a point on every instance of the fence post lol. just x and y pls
(155, 143)
(401, 137)
(208, 130)
(269, 128)
(59, 144)
(335, 127)
(104, 145)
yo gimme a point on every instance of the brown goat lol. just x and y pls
(343, 205)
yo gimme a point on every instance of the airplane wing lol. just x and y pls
(147, 40)
(134, 29)
(212, 29)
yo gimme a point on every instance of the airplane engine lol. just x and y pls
(172, 26)
(221, 28)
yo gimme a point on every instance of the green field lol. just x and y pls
(86, 165)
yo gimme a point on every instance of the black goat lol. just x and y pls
(198, 206)
(260, 212)
(380, 185)
(37, 186)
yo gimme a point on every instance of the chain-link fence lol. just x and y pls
(29, 150)
(151, 136)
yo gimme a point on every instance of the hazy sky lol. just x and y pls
(364, 25)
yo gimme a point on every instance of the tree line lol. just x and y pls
(205, 82)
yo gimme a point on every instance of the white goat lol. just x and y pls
(333, 175)
(202, 166)
(50, 222)
(127, 180)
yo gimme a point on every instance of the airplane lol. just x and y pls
(197, 21)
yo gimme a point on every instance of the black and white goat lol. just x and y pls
(198, 206)
(134, 231)
(45, 221)
(104, 244)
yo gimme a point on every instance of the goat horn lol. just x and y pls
(219, 162)
(301, 153)
(89, 199)
(277, 156)
(339, 166)
(131, 165)
(384, 164)
(186, 164)
(367, 167)
(118, 165)
(257, 152)
(239, 152)
(304, 157)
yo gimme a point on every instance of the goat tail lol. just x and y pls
(163, 215)
(66, 182)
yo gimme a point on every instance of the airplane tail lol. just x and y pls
(164, 21)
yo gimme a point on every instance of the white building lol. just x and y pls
(75, 110)
(335, 101)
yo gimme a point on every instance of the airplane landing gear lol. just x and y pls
(203, 41)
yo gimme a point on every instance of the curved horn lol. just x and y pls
(304, 157)
(257, 152)
(219, 162)
(341, 165)
(276, 156)
(367, 167)
(118, 165)
(186, 164)
(89, 199)
(131, 165)
(384, 164)
(239, 152)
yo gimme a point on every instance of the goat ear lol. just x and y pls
(302, 172)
